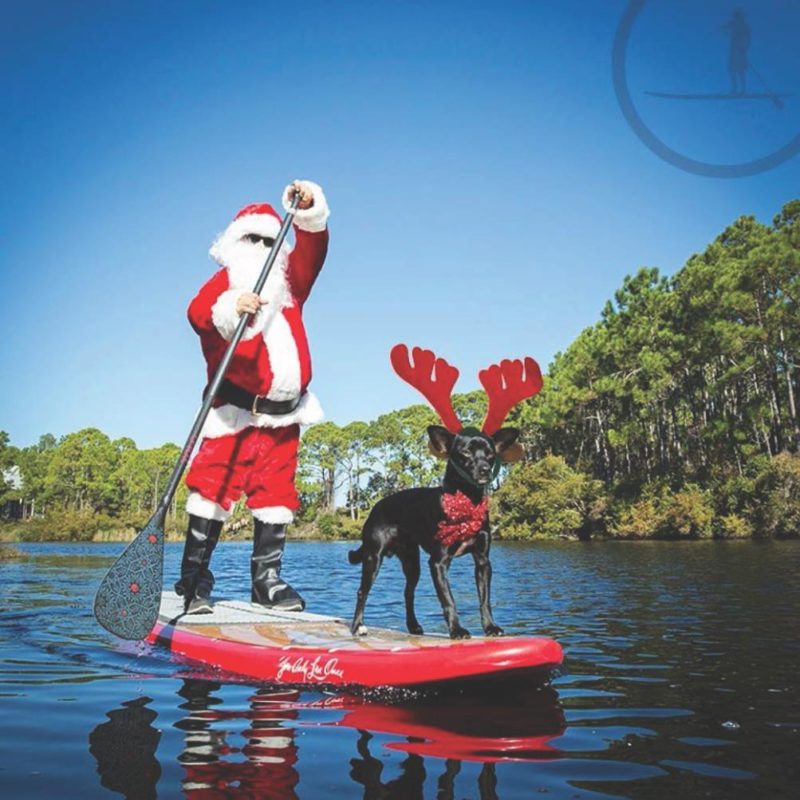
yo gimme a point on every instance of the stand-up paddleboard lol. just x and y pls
(304, 648)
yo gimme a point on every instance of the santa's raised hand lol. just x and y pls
(306, 194)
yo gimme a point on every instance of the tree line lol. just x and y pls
(85, 483)
(674, 416)
(681, 402)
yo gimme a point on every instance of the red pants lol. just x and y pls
(259, 462)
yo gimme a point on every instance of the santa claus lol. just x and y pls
(249, 442)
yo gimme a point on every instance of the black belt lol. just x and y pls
(255, 403)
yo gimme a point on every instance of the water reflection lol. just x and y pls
(263, 767)
(681, 681)
(409, 785)
(367, 770)
(252, 750)
(516, 726)
(125, 749)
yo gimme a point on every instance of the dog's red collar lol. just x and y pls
(463, 518)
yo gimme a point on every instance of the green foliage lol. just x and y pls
(548, 499)
(732, 526)
(8, 457)
(687, 514)
(70, 526)
(664, 514)
(639, 520)
(7, 553)
(85, 485)
(685, 376)
(336, 526)
(779, 512)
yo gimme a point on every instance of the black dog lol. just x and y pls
(402, 523)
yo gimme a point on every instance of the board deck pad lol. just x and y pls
(306, 648)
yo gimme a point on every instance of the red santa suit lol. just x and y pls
(242, 451)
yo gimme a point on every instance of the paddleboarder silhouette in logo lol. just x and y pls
(741, 73)
(251, 436)
(739, 32)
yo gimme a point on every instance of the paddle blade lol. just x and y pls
(127, 602)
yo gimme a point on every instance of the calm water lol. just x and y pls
(681, 681)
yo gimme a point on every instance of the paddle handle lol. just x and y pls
(219, 375)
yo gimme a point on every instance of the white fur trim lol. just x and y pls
(229, 419)
(313, 219)
(273, 515)
(283, 358)
(262, 224)
(199, 506)
(226, 318)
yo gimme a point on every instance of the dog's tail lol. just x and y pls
(356, 556)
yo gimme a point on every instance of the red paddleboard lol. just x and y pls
(307, 649)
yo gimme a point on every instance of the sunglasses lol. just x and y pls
(254, 238)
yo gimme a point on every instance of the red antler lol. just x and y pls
(436, 390)
(506, 386)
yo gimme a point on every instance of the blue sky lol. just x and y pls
(487, 193)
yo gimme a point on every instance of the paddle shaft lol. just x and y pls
(219, 375)
(777, 102)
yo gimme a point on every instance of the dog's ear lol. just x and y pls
(440, 440)
(508, 448)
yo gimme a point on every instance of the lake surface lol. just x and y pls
(681, 681)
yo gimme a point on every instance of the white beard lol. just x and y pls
(245, 260)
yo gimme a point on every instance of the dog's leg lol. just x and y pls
(483, 580)
(439, 567)
(411, 571)
(446, 782)
(370, 566)
(487, 782)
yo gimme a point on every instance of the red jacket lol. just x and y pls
(273, 358)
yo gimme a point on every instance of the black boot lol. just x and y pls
(197, 580)
(265, 570)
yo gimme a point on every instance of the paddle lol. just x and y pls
(776, 100)
(127, 602)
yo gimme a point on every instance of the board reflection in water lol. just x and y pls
(252, 751)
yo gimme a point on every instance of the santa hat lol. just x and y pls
(257, 209)
(259, 218)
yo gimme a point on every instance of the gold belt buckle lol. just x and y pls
(256, 398)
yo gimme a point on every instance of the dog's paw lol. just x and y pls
(493, 630)
(459, 633)
(415, 630)
(361, 630)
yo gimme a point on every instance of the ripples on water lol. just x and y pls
(681, 679)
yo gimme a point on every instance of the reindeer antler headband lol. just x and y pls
(506, 384)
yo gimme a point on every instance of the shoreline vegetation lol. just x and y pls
(675, 416)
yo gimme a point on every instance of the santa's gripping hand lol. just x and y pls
(306, 191)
